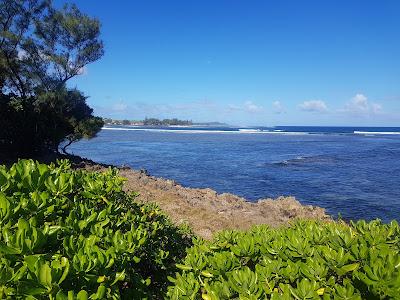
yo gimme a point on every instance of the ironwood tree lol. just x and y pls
(41, 48)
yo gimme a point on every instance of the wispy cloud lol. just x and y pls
(252, 108)
(376, 108)
(200, 110)
(278, 107)
(123, 109)
(359, 105)
(234, 107)
(247, 106)
(314, 106)
(119, 107)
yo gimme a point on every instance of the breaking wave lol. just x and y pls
(236, 131)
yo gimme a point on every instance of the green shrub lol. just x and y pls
(69, 234)
(308, 260)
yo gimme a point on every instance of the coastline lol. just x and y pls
(206, 211)
(203, 209)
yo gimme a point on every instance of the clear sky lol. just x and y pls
(247, 62)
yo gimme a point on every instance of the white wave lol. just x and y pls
(119, 128)
(249, 130)
(377, 132)
(286, 132)
(170, 130)
(254, 131)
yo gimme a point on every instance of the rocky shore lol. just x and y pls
(205, 210)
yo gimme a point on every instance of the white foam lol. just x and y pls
(377, 132)
(253, 131)
(249, 130)
(170, 130)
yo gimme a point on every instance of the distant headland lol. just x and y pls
(162, 122)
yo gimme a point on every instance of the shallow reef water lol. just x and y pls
(349, 171)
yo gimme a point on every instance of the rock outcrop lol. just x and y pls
(207, 212)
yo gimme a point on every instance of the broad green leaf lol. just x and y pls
(82, 295)
(45, 277)
(347, 268)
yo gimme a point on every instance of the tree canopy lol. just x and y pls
(41, 48)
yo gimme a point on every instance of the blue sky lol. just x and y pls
(247, 62)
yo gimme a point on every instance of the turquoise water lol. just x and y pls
(351, 171)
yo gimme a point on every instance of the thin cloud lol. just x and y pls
(248, 107)
(278, 107)
(252, 108)
(314, 106)
(119, 107)
(360, 105)
(376, 108)
(233, 107)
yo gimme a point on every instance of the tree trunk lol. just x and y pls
(64, 148)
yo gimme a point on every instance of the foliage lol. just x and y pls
(69, 234)
(36, 124)
(309, 260)
(165, 122)
(149, 122)
(41, 48)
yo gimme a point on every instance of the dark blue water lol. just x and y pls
(356, 175)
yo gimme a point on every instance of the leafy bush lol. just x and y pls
(69, 234)
(309, 260)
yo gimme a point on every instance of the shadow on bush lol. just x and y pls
(69, 234)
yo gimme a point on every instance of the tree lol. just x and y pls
(107, 120)
(41, 124)
(41, 48)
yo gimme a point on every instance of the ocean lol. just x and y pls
(352, 172)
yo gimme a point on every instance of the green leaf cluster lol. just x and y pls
(39, 124)
(67, 234)
(307, 260)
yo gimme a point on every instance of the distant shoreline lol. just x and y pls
(290, 130)
(169, 125)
